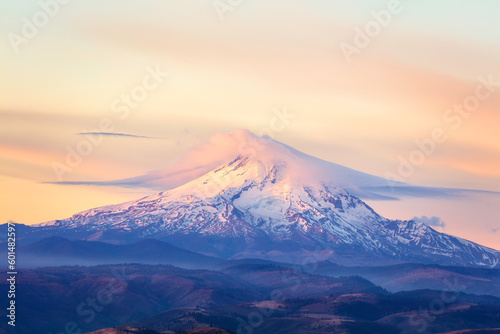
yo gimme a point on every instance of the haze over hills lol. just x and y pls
(268, 200)
(52, 296)
(57, 251)
(167, 299)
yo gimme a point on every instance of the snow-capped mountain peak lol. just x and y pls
(261, 195)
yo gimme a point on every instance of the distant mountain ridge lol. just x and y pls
(58, 251)
(272, 202)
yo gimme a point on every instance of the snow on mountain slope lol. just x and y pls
(266, 193)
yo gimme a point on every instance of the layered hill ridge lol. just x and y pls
(268, 200)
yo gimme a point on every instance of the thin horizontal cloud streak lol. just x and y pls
(150, 180)
(399, 192)
(115, 134)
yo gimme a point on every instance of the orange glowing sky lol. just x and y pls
(234, 73)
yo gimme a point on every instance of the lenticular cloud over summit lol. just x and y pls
(224, 147)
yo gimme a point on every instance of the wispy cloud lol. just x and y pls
(432, 221)
(411, 191)
(114, 134)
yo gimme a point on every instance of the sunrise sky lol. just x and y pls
(72, 76)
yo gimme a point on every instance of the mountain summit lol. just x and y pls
(224, 147)
(260, 198)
